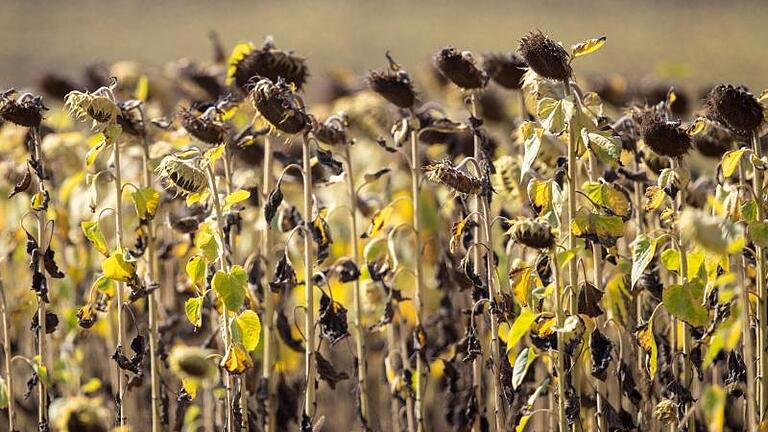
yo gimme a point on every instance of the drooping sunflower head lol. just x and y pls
(460, 68)
(445, 173)
(79, 413)
(533, 233)
(714, 141)
(664, 137)
(393, 84)
(545, 56)
(25, 110)
(204, 127)
(333, 130)
(188, 361)
(99, 106)
(280, 106)
(735, 107)
(505, 70)
(184, 175)
(269, 62)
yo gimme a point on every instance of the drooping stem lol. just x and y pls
(310, 404)
(762, 343)
(362, 362)
(747, 342)
(119, 285)
(7, 356)
(151, 298)
(269, 306)
(418, 271)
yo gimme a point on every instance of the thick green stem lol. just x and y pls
(762, 343)
(310, 404)
(269, 306)
(362, 361)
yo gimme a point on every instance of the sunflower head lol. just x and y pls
(545, 56)
(99, 106)
(25, 110)
(79, 414)
(735, 107)
(393, 84)
(445, 173)
(713, 142)
(269, 62)
(664, 137)
(280, 106)
(505, 70)
(184, 175)
(460, 68)
(204, 127)
(191, 362)
(333, 130)
(536, 234)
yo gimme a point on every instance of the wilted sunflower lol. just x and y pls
(546, 57)
(191, 362)
(333, 130)
(280, 106)
(735, 107)
(506, 70)
(79, 414)
(459, 67)
(204, 127)
(25, 110)
(445, 173)
(394, 84)
(532, 233)
(183, 174)
(664, 137)
(713, 142)
(99, 106)
(269, 62)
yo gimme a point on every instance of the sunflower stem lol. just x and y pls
(119, 285)
(7, 356)
(269, 307)
(762, 343)
(747, 341)
(310, 404)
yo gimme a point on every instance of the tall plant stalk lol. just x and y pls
(562, 423)
(762, 343)
(119, 285)
(362, 362)
(747, 341)
(7, 356)
(310, 404)
(42, 221)
(269, 306)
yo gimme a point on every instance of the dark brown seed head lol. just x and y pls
(332, 131)
(652, 93)
(445, 173)
(735, 107)
(202, 127)
(280, 106)
(713, 142)
(393, 84)
(546, 57)
(664, 137)
(533, 233)
(26, 110)
(505, 70)
(459, 67)
(269, 62)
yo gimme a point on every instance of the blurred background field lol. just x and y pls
(694, 43)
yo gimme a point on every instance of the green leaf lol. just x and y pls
(643, 249)
(195, 268)
(193, 309)
(758, 231)
(554, 113)
(684, 302)
(3, 394)
(670, 259)
(532, 136)
(596, 227)
(250, 329)
(522, 363)
(521, 325)
(610, 199)
(146, 200)
(205, 240)
(731, 159)
(606, 148)
(93, 233)
(117, 268)
(230, 287)
(726, 337)
(235, 197)
(713, 403)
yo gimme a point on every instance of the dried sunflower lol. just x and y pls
(735, 107)
(99, 106)
(459, 67)
(545, 56)
(191, 362)
(332, 131)
(713, 142)
(79, 414)
(25, 110)
(664, 137)
(269, 62)
(445, 173)
(394, 85)
(506, 70)
(532, 233)
(183, 174)
(204, 127)
(280, 106)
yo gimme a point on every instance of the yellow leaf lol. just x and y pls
(587, 47)
(377, 221)
(240, 50)
(540, 194)
(237, 360)
(523, 423)
(197, 197)
(93, 233)
(521, 325)
(520, 283)
(214, 154)
(612, 200)
(93, 152)
(142, 88)
(731, 159)
(250, 329)
(195, 268)
(654, 198)
(456, 232)
(117, 268)
(38, 201)
(696, 127)
(193, 309)
(190, 386)
(146, 201)
(235, 197)
(647, 342)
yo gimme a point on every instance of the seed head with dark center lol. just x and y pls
(546, 57)
(269, 62)
(664, 137)
(713, 142)
(280, 106)
(533, 233)
(394, 85)
(505, 70)
(459, 67)
(735, 107)
(26, 110)
(202, 127)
